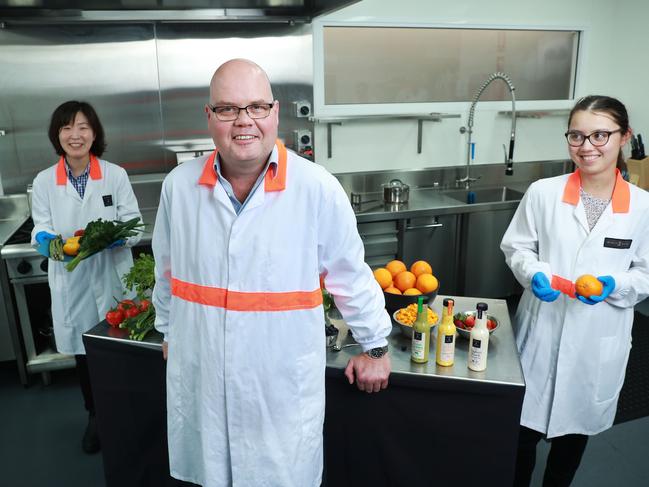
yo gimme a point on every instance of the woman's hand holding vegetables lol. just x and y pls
(542, 289)
(101, 234)
(43, 236)
(43, 239)
(609, 285)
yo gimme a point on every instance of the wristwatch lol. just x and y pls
(377, 352)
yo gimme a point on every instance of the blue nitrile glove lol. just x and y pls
(43, 239)
(541, 288)
(609, 285)
(117, 243)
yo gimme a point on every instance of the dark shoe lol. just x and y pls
(90, 442)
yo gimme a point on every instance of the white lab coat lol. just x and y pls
(245, 385)
(81, 298)
(574, 355)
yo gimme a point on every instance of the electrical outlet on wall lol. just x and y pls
(303, 143)
(302, 108)
(303, 139)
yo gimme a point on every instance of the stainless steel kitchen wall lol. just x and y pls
(148, 82)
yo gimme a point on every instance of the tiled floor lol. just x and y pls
(41, 428)
(616, 457)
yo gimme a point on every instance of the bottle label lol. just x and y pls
(418, 343)
(447, 349)
(474, 356)
(475, 343)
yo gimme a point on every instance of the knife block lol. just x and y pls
(639, 172)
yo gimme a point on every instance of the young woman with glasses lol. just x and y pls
(573, 348)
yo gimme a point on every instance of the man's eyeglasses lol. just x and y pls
(597, 139)
(229, 113)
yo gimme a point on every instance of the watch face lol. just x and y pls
(377, 352)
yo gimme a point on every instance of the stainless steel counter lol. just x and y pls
(423, 201)
(503, 365)
(153, 340)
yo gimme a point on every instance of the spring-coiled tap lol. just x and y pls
(509, 168)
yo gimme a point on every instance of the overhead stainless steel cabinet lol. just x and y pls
(169, 10)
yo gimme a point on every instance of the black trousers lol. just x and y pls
(84, 382)
(563, 460)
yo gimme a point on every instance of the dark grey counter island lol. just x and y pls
(424, 428)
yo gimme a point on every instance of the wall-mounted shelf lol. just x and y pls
(559, 112)
(421, 118)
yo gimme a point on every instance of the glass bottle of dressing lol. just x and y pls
(479, 340)
(445, 350)
(420, 334)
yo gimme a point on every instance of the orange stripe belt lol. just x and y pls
(245, 301)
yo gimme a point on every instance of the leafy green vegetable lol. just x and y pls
(99, 234)
(141, 277)
(327, 300)
(139, 325)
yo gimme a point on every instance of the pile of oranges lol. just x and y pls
(395, 278)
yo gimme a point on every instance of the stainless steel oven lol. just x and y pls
(27, 272)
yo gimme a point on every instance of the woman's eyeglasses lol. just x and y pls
(597, 138)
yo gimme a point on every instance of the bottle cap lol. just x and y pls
(447, 301)
(482, 307)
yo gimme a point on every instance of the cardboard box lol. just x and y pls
(639, 172)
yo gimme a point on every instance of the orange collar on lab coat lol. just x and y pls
(275, 180)
(621, 193)
(62, 174)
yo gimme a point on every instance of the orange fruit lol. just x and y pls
(392, 290)
(588, 285)
(395, 267)
(404, 280)
(413, 291)
(421, 267)
(427, 283)
(383, 277)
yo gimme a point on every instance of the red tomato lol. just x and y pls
(469, 321)
(144, 304)
(491, 325)
(79, 233)
(126, 304)
(132, 312)
(114, 317)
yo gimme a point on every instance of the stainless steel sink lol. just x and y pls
(484, 195)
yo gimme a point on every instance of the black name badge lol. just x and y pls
(617, 243)
(108, 199)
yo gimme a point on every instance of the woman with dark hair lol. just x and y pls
(574, 348)
(80, 188)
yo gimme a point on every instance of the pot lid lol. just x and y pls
(396, 184)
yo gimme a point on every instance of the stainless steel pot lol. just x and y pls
(395, 192)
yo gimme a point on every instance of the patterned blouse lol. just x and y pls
(594, 207)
